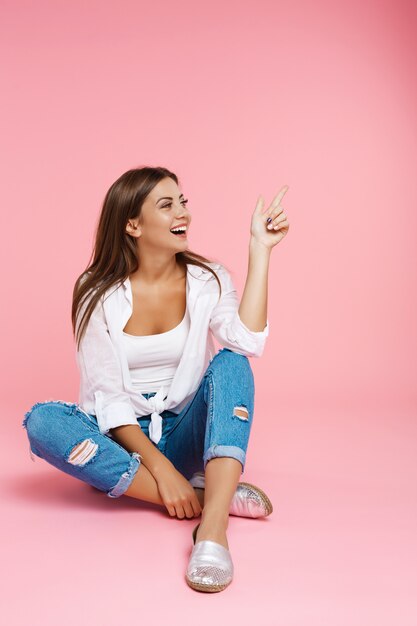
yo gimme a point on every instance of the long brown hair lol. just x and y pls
(114, 257)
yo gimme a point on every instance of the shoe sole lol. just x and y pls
(209, 588)
(265, 500)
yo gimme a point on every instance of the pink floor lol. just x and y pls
(339, 548)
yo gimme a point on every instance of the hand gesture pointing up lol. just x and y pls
(270, 226)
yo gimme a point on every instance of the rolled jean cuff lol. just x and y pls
(126, 478)
(220, 451)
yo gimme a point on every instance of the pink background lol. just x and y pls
(238, 98)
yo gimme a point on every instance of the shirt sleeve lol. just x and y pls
(228, 328)
(101, 373)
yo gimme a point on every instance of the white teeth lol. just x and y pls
(179, 230)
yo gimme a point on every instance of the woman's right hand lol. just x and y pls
(176, 492)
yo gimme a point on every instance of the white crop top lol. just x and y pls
(153, 359)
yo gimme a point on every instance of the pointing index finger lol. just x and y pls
(280, 195)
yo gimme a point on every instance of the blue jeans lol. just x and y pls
(215, 423)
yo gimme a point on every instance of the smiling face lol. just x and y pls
(164, 209)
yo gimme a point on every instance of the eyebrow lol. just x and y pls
(168, 198)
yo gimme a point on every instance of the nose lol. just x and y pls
(182, 213)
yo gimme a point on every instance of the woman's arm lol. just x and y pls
(268, 227)
(253, 304)
(133, 439)
(101, 373)
(227, 327)
(176, 492)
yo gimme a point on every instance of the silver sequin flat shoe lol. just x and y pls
(210, 567)
(248, 500)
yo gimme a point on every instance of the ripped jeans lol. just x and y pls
(215, 423)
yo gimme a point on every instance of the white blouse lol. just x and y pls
(106, 387)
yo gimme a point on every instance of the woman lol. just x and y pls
(160, 416)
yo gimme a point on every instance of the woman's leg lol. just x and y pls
(221, 479)
(212, 433)
(69, 439)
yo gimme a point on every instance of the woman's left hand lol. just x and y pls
(269, 237)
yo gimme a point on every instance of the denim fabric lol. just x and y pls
(215, 423)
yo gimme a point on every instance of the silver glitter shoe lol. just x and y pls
(248, 500)
(210, 567)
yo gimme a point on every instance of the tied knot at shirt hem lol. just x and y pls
(122, 413)
(157, 406)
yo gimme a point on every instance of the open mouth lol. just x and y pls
(179, 232)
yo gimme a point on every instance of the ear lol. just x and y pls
(133, 229)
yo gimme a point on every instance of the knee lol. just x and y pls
(37, 419)
(233, 362)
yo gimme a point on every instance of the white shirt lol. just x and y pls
(106, 388)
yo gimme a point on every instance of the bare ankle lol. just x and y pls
(214, 517)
